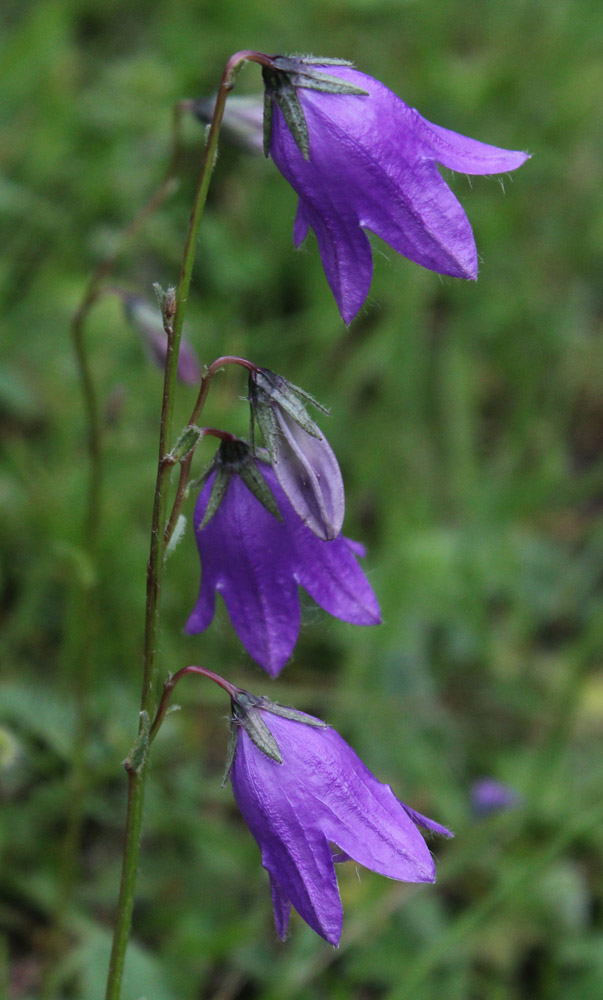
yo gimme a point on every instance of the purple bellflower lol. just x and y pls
(255, 551)
(309, 801)
(363, 159)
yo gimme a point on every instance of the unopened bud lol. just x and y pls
(304, 462)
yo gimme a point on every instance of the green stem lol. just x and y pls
(137, 775)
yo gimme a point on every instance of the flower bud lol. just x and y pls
(304, 462)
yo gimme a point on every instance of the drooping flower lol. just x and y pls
(309, 801)
(257, 561)
(368, 161)
(303, 461)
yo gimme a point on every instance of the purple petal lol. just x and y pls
(189, 371)
(308, 472)
(295, 853)
(346, 255)
(245, 555)
(356, 812)
(328, 571)
(468, 156)
(428, 824)
(489, 795)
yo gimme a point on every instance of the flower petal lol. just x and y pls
(330, 574)
(246, 556)
(468, 156)
(355, 811)
(346, 255)
(308, 472)
(294, 850)
(428, 824)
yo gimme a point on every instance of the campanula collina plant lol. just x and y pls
(268, 519)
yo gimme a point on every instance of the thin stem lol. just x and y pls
(170, 684)
(137, 775)
(186, 462)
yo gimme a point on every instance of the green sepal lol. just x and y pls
(262, 412)
(265, 389)
(326, 83)
(267, 122)
(233, 739)
(200, 481)
(316, 60)
(289, 397)
(311, 79)
(245, 712)
(281, 82)
(187, 442)
(279, 88)
(218, 492)
(290, 713)
(256, 484)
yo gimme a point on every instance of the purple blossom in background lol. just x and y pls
(257, 562)
(319, 806)
(489, 795)
(372, 164)
(146, 319)
(242, 120)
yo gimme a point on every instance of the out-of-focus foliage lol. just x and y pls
(468, 421)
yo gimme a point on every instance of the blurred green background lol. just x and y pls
(468, 420)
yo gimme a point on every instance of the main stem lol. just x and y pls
(137, 774)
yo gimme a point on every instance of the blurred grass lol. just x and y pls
(468, 420)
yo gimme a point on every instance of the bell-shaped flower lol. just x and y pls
(255, 551)
(309, 801)
(303, 460)
(367, 161)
